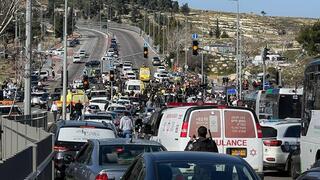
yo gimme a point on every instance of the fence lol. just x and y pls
(26, 147)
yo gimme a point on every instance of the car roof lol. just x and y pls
(73, 123)
(127, 141)
(278, 123)
(192, 156)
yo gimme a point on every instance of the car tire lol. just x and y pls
(293, 171)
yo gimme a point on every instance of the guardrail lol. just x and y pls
(26, 147)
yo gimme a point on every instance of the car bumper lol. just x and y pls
(268, 165)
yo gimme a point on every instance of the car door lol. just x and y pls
(87, 163)
(136, 171)
(75, 169)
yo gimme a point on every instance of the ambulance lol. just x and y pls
(236, 131)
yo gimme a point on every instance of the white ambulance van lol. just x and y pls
(236, 131)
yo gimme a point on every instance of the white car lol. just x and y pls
(101, 102)
(82, 53)
(116, 107)
(130, 75)
(279, 139)
(76, 59)
(110, 52)
(77, 84)
(58, 52)
(160, 77)
(161, 68)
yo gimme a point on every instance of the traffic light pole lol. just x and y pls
(264, 70)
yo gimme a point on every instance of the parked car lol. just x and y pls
(76, 58)
(82, 53)
(70, 136)
(43, 75)
(279, 139)
(108, 158)
(188, 165)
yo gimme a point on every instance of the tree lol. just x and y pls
(224, 35)
(309, 38)
(7, 10)
(185, 9)
(175, 7)
(263, 13)
(217, 31)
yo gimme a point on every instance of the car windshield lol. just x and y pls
(82, 134)
(91, 117)
(134, 87)
(123, 154)
(202, 170)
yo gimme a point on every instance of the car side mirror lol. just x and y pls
(67, 158)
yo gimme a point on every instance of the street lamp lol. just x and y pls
(64, 88)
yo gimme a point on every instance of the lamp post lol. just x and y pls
(64, 88)
(27, 68)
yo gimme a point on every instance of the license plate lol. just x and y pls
(242, 152)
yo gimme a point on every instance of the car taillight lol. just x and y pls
(272, 142)
(102, 176)
(259, 130)
(184, 129)
(60, 148)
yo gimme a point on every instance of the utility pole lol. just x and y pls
(264, 68)
(186, 47)
(64, 88)
(27, 69)
(100, 16)
(237, 52)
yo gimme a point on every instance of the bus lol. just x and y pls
(276, 103)
(310, 132)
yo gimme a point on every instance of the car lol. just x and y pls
(159, 77)
(108, 158)
(76, 59)
(71, 135)
(130, 75)
(188, 165)
(313, 173)
(39, 98)
(280, 137)
(100, 102)
(77, 84)
(110, 52)
(82, 54)
(6, 109)
(92, 109)
(98, 117)
(161, 68)
(156, 61)
(43, 75)
(101, 94)
(114, 107)
(93, 63)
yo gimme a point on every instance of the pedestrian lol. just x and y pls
(202, 143)
(126, 126)
(53, 74)
(78, 109)
(54, 110)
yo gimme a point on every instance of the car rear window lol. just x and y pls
(98, 117)
(239, 124)
(124, 154)
(202, 170)
(293, 131)
(268, 132)
(207, 118)
(82, 134)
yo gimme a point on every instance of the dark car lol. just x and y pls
(156, 61)
(189, 165)
(313, 173)
(70, 136)
(93, 63)
(108, 158)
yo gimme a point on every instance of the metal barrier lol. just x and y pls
(20, 134)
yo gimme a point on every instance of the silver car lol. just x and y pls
(108, 157)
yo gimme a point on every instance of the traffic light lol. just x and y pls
(265, 53)
(112, 75)
(195, 47)
(85, 80)
(145, 52)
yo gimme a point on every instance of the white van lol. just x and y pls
(136, 86)
(235, 130)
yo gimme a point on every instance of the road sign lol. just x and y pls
(231, 91)
(194, 36)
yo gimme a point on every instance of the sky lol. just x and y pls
(293, 8)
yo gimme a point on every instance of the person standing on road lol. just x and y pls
(202, 143)
(54, 110)
(78, 109)
(126, 126)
